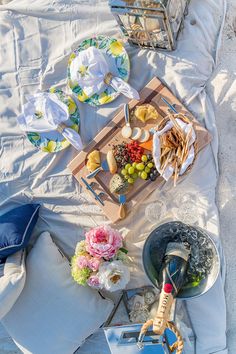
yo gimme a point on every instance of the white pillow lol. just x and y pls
(53, 315)
(12, 281)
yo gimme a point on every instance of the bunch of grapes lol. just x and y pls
(145, 169)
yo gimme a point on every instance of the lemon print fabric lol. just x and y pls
(116, 48)
(53, 141)
(118, 62)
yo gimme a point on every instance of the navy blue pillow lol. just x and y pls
(16, 227)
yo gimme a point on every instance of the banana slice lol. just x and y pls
(144, 136)
(136, 133)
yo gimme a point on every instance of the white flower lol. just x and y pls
(114, 275)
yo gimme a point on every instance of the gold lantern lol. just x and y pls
(153, 24)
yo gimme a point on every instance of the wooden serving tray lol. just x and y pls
(111, 134)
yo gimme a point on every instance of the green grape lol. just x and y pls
(131, 170)
(134, 164)
(139, 173)
(124, 172)
(147, 169)
(127, 176)
(150, 165)
(131, 180)
(140, 166)
(134, 176)
(144, 175)
(144, 158)
(127, 166)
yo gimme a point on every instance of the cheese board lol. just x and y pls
(156, 94)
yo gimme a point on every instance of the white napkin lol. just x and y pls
(89, 70)
(168, 172)
(45, 112)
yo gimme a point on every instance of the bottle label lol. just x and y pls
(163, 311)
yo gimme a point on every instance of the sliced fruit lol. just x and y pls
(136, 133)
(94, 156)
(92, 166)
(144, 136)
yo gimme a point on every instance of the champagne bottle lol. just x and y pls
(171, 280)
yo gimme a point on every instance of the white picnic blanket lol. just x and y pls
(36, 39)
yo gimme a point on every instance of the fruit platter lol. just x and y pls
(118, 167)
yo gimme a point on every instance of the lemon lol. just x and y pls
(104, 98)
(51, 146)
(116, 48)
(71, 106)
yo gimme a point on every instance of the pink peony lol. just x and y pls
(103, 242)
(93, 281)
(82, 262)
(94, 264)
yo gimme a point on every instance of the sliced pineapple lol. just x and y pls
(92, 166)
(94, 156)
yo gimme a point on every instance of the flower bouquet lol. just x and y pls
(99, 260)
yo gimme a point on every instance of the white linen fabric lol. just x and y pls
(45, 112)
(89, 70)
(12, 281)
(53, 314)
(33, 56)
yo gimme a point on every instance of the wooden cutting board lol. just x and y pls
(152, 93)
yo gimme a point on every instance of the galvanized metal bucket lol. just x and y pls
(153, 254)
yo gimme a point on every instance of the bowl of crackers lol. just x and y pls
(174, 146)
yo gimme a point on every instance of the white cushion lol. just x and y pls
(12, 281)
(53, 315)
